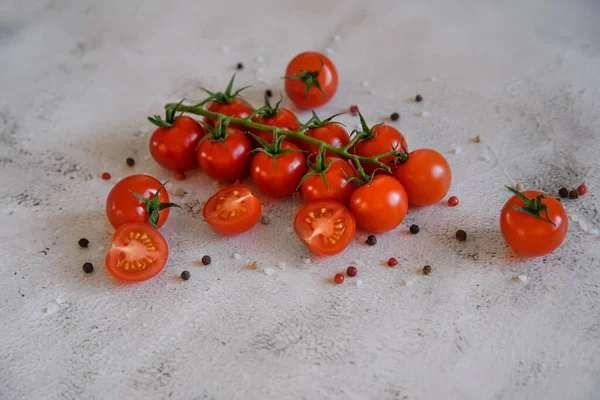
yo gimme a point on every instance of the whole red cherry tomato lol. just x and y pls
(282, 179)
(326, 227)
(175, 147)
(381, 139)
(278, 117)
(537, 228)
(337, 175)
(233, 210)
(426, 177)
(311, 79)
(123, 207)
(225, 162)
(330, 133)
(228, 104)
(379, 206)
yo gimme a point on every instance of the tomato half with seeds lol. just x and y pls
(326, 227)
(138, 253)
(226, 162)
(426, 177)
(333, 134)
(175, 148)
(238, 108)
(381, 205)
(279, 180)
(283, 118)
(338, 187)
(383, 139)
(311, 79)
(233, 210)
(530, 236)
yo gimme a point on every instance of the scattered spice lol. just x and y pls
(105, 176)
(130, 161)
(265, 220)
(185, 275)
(563, 192)
(461, 235)
(477, 139)
(88, 268)
(179, 175)
(392, 262)
(427, 269)
(582, 189)
(351, 271)
(518, 187)
(206, 260)
(339, 278)
(354, 110)
(414, 229)
(371, 240)
(269, 93)
(83, 242)
(453, 201)
(395, 116)
(239, 65)
(269, 271)
(573, 194)
(418, 98)
(178, 192)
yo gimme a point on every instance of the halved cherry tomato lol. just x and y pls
(238, 108)
(123, 207)
(384, 139)
(326, 227)
(333, 134)
(175, 148)
(226, 162)
(528, 235)
(279, 180)
(284, 119)
(381, 205)
(310, 70)
(426, 177)
(138, 253)
(338, 174)
(233, 210)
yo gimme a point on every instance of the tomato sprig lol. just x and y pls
(170, 117)
(154, 206)
(226, 97)
(534, 206)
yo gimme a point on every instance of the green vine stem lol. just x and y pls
(299, 134)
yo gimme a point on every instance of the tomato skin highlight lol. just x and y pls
(329, 232)
(233, 210)
(284, 119)
(280, 181)
(313, 188)
(226, 163)
(381, 205)
(122, 207)
(238, 108)
(426, 177)
(174, 148)
(385, 137)
(138, 253)
(529, 236)
(328, 79)
(333, 134)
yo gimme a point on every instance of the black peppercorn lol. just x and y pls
(395, 116)
(130, 161)
(573, 194)
(427, 269)
(88, 268)
(461, 235)
(563, 192)
(83, 242)
(240, 65)
(418, 98)
(269, 93)
(206, 260)
(414, 229)
(371, 240)
(265, 220)
(185, 275)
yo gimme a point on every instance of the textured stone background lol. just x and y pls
(77, 80)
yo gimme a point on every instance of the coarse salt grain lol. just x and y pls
(455, 149)
(237, 256)
(364, 83)
(281, 265)
(260, 70)
(336, 38)
(259, 59)
(269, 271)
(583, 225)
(574, 217)
(594, 232)
(329, 50)
(430, 79)
(307, 261)
(225, 49)
(357, 282)
(485, 155)
(407, 283)
(522, 278)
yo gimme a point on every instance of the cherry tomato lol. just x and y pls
(283, 179)
(175, 148)
(338, 174)
(238, 108)
(284, 119)
(384, 139)
(326, 227)
(529, 236)
(333, 134)
(233, 210)
(226, 162)
(426, 176)
(138, 253)
(314, 70)
(123, 207)
(381, 205)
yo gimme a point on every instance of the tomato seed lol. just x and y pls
(206, 260)
(427, 269)
(414, 229)
(453, 201)
(179, 175)
(239, 65)
(88, 268)
(351, 271)
(269, 93)
(339, 278)
(371, 240)
(418, 98)
(395, 116)
(573, 194)
(354, 110)
(582, 189)
(105, 176)
(392, 262)
(185, 275)
(130, 161)
(563, 192)
(461, 235)
(83, 242)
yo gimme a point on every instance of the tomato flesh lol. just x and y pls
(233, 210)
(138, 253)
(226, 162)
(175, 148)
(326, 227)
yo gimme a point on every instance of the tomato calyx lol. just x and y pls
(320, 167)
(315, 122)
(226, 97)
(273, 149)
(533, 207)
(218, 133)
(267, 111)
(310, 79)
(154, 206)
(170, 117)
